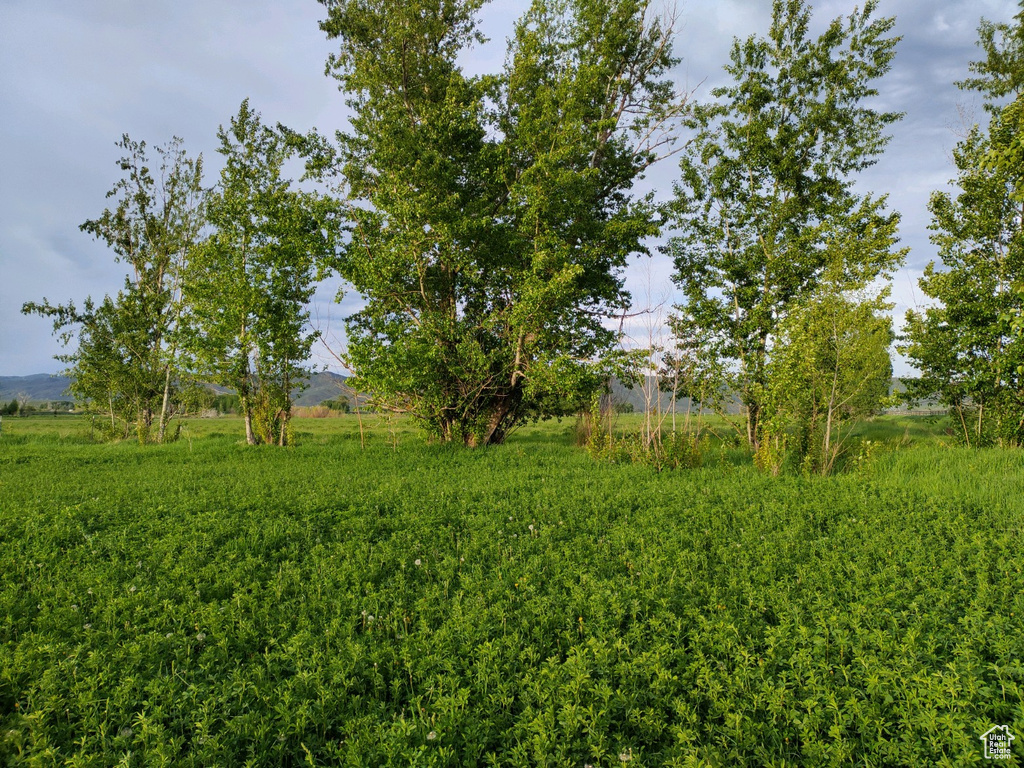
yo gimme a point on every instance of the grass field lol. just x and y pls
(206, 603)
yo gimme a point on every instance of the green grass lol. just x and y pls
(206, 603)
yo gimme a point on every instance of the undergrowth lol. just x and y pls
(206, 603)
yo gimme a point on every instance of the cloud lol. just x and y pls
(75, 76)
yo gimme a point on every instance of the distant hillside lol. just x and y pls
(45, 387)
(323, 386)
(40, 387)
(637, 398)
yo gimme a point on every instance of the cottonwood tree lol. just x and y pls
(126, 360)
(767, 189)
(829, 367)
(492, 216)
(966, 347)
(248, 284)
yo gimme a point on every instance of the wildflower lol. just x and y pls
(131, 588)
(462, 559)
(89, 591)
(87, 626)
(418, 562)
(531, 527)
(169, 634)
(370, 617)
(201, 636)
(74, 607)
(625, 757)
(432, 735)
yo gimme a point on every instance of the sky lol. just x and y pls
(75, 76)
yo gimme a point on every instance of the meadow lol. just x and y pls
(373, 600)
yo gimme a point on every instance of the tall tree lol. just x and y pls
(766, 201)
(127, 358)
(829, 367)
(969, 354)
(249, 283)
(492, 216)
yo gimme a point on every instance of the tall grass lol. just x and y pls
(208, 603)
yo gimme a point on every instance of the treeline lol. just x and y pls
(486, 222)
(22, 407)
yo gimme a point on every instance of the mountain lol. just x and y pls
(323, 385)
(45, 387)
(40, 387)
(639, 399)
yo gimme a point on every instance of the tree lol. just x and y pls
(126, 360)
(969, 353)
(829, 366)
(492, 216)
(765, 203)
(248, 285)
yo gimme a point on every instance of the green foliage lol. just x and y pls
(668, 450)
(225, 404)
(765, 205)
(249, 609)
(341, 404)
(249, 283)
(830, 366)
(969, 346)
(126, 361)
(1001, 72)
(11, 409)
(492, 216)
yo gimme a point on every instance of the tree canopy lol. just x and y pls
(966, 346)
(765, 205)
(492, 215)
(127, 360)
(249, 283)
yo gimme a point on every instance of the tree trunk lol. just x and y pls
(164, 406)
(250, 436)
(498, 422)
(753, 416)
(283, 419)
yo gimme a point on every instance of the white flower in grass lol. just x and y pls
(87, 626)
(131, 588)
(626, 756)
(432, 735)
(417, 562)
(201, 636)
(531, 527)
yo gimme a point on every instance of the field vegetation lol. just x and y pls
(448, 576)
(369, 599)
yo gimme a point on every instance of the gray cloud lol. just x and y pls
(75, 76)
